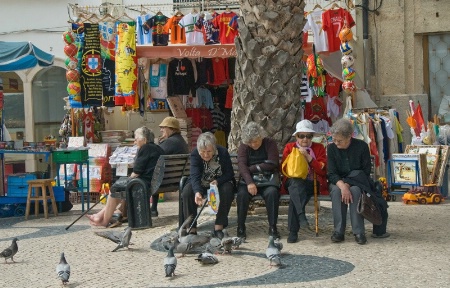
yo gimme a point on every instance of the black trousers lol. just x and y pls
(300, 191)
(271, 197)
(226, 194)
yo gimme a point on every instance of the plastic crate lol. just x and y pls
(21, 178)
(17, 190)
(70, 156)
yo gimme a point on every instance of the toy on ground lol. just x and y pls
(429, 195)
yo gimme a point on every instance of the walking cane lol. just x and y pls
(198, 214)
(316, 205)
(85, 212)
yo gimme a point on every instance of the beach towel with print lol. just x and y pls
(91, 67)
(126, 65)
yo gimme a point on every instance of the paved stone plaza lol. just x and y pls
(416, 255)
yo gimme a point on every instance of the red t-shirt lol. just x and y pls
(332, 85)
(226, 34)
(220, 70)
(332, 23)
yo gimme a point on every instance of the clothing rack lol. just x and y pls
(371, 110)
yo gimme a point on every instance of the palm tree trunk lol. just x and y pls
(268, 68)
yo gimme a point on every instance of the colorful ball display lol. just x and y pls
(349, 86)
(346, 34)
(348, 73)
(347, 61)
(73, 88)
(72, 75)
(68, 37)
(346, 48)
(71, 63)
(70, 50)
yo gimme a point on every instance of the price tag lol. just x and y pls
(122, 169)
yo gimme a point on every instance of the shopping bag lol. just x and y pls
(295, 165)
(213, 198)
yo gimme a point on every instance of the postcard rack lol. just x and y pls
(399, 175)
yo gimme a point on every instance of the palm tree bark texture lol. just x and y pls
(268, 68)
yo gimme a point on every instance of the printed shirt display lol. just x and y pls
(180, 77)
(332, 23)
(333, 85)
(194, 36)
(177, 34)
(159, 36)
(314, 22)
(226, 34)
(142, 36)
(158, 80)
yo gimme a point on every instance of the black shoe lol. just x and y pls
(361, 239)
(336, 237)
(218, 234)
(241, 232)
(154, 213)
(274, 232)
(293, 237)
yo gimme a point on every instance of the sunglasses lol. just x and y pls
(302, 136)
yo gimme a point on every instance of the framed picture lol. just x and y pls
(433, 155)
(406, 170)
(443, 159)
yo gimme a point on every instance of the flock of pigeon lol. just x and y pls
(181, 243)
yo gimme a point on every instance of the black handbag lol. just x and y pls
(264, 178)
(367, 207)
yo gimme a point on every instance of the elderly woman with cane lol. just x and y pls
(210, 164)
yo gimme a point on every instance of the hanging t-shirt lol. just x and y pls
(333, 85)
(220, 68)
(332, 23)
(156, 26)
(180, 77)
(158, 80)
(204, 70)
(194, 36)
(177, 34)
(314, 22)
(211, 31)
(204, 98)
(143, 36)
(226, 34)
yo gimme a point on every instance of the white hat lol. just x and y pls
(304, 126)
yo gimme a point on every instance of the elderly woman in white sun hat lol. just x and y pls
(301, 190)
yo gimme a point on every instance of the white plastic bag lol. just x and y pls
(213, 199)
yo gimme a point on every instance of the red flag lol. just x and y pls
(418, 116)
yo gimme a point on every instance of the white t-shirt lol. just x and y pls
(314, 22)
(194, 36)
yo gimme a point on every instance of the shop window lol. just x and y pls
(48, 90)
(439, 70)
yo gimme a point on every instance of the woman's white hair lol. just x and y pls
(206, 139)
(144, 133)
(252, 131)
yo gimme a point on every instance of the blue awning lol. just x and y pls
(22, 55)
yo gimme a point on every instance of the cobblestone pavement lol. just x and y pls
(416, 255)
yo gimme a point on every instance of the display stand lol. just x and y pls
(79, 164)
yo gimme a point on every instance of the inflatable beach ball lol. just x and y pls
(347, 61)
(348, 73)
(72, 75)
(70, 50)
(68, 37)
(73, 88)
(71, 63)
(346, 34)
(346, 48)
(349, 86)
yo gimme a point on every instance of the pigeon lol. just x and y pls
(227, 245)
(192, 239)
(120, 238)
(278, 244)
(170, 263)
(207, 258)
(63, 270)
(214, 245)
(9, 252)
(237, 241)
(273, 254)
